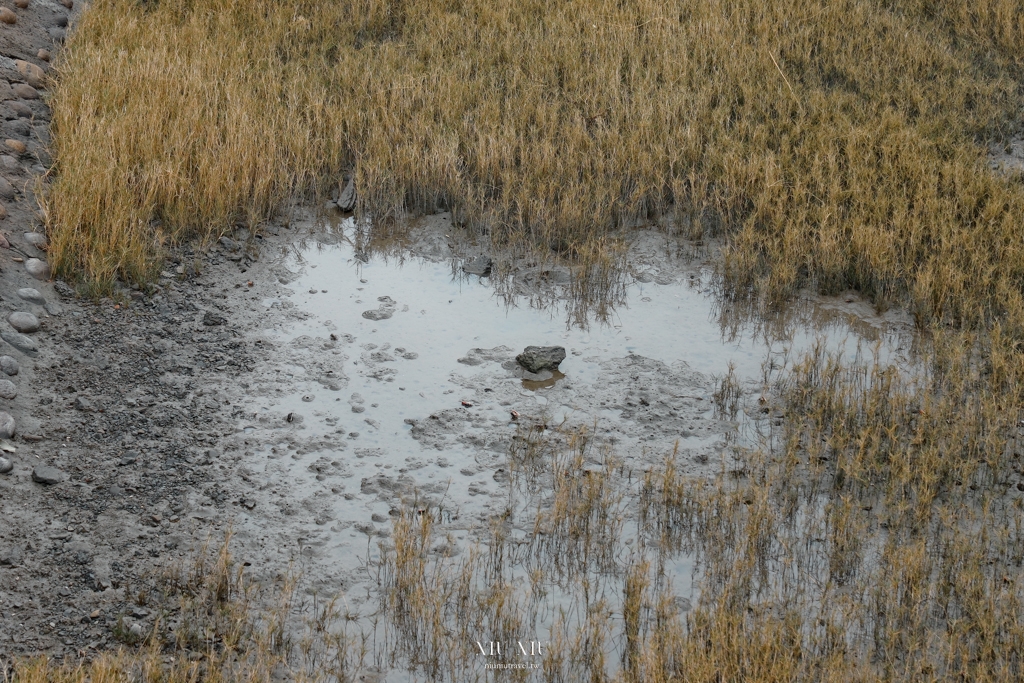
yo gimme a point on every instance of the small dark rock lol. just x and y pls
(537, 358)
(46, 475)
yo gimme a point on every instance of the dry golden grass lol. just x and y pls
(836, 143)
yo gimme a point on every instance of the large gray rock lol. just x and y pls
(23, 322)
(537, 358)
(46, 475)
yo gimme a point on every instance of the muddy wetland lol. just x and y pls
(456, 340)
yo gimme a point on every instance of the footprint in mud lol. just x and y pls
(382, 312)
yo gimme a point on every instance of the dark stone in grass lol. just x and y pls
(347, 198)
(537, 358)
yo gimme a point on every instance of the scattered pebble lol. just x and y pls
(23, 322)
(25, 91)
(6, 466)
(22, 111)
(31, 295)
(8, 390)
(36, 239)
(7, 427)
(7, 190)
(34, 75)
(8, 16)
(8, 365)
(19, 341)
(16, 146)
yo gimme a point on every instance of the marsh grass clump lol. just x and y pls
(875, 536)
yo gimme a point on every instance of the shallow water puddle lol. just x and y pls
(400, 389)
